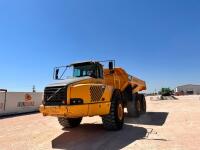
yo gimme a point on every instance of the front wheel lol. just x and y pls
(115, 119)
(69, 122)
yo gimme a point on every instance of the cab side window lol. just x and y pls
(100, 72)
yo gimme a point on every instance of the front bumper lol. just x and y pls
(75, 111)
(64, 111)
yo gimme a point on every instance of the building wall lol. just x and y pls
(189, 89)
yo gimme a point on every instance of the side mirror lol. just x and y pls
(110, 65)
(111, 68)
(56, 75)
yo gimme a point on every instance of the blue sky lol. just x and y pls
(158, 41)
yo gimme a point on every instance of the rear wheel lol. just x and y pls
(134, 106)
(115, 119)
(69, 122)
(143, 103)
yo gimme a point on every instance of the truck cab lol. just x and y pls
(92, 69)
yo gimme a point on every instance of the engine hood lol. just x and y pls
(68, 81)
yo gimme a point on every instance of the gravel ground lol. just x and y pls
(168, 124)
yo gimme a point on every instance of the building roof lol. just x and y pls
(188, 85)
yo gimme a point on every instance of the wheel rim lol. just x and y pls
(120, 112)
(138, 106)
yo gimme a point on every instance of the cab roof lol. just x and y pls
(85, 63)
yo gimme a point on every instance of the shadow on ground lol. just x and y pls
(161, 98)
(150, 118)
(94, 136)
(17, 115)
(168, 98)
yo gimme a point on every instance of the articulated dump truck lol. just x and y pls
(93, 90)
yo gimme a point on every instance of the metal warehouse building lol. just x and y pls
(188, 89)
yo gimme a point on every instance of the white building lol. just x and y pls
(19, 102)
(188, 89)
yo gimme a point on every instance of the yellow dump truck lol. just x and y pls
(93, 90)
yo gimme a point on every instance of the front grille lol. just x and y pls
(96, 92)
(55, 95)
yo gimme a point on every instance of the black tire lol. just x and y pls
(69, 122)
(115, 119)
(134, 106)
(143, 103)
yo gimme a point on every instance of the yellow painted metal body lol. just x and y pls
(76, 111)
(120, 80)
(96, 93)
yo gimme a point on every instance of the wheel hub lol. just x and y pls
(120, 111)
(138, 106)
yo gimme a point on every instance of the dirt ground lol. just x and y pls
(167, 125)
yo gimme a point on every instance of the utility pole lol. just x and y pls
(34, 89)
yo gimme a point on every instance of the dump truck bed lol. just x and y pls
(139, 84)
(121, 79)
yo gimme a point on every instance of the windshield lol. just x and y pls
(65, 72)
(81, 71)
